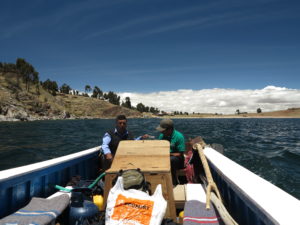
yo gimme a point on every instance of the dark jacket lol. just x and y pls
(116, 138)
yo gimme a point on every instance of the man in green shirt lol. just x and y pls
(177, 145)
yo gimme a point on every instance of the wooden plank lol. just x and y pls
(144, 147)
(165, 180)
(145, 163)
(179, 192)
(148, 155)
(179, 196)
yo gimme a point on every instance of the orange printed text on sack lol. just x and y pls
(132, 210)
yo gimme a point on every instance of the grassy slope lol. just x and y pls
(91, 107)
(13, 93)
(294, 112)
(289, 113)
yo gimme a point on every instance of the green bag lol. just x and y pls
(133, 179)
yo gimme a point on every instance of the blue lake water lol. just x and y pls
(267, 147)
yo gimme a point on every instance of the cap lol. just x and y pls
(165, 124)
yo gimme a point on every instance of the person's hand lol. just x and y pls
(145, 136)
(175, 154)
(109, 156)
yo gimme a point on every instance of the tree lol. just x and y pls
(87, 88)
(237, 111)
(258, 110)
(127, 103)
(27, 71)
(8, 67)
(65, 89)
(112, 98)
(153, 110)
(36, 81)
(50, 86)
(140, 107)
(97, 93)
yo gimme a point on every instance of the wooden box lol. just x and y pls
(153, 158)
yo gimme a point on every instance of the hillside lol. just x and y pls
(16, 103)
(288, 113)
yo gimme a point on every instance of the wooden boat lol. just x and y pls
(249, 198)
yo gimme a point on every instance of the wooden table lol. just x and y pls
(153, 158)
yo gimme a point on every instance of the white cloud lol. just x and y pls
(216, 100)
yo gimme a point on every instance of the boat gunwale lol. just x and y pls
(250, 202)
(19, 185)
(23, 170)
(241, 182)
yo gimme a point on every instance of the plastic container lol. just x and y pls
(81, 210)
(98, 201)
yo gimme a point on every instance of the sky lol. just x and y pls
(191, 56)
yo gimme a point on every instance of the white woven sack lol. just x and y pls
(134, 207)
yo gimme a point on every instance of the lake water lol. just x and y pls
(267, 147)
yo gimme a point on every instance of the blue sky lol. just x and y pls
(138, 46)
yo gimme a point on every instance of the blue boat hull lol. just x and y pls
(16, 191)
(247, 197)
(240, 207)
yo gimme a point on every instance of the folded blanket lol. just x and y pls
(39, 211)
(196, 213)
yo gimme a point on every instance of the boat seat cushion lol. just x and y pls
(195, 213)
(38, 211)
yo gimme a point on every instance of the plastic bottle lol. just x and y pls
(98, 201)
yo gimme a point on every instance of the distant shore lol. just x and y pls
(228, 117)
(289, 113)
(283, 114)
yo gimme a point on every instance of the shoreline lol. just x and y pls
(232, 117)
(9, 119)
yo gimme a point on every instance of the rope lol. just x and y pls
(211, 186)
(215, 196)
(227, 219)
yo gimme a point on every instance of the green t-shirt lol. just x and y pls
(177, 143)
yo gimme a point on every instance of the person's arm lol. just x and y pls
(105, 146)
(180, 147)
(176, 153)
(145, 136)
(160, 137)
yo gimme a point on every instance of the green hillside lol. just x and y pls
(33, 102)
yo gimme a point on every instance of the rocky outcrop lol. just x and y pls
(18, 113)
(12, 113)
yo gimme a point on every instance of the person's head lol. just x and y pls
(166, 127)
(121, 123)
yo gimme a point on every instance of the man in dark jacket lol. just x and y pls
(112, 138)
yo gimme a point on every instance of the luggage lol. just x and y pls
(38, 211)
(133, 179)
(133, 206)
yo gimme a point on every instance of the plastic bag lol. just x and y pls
(134, 207)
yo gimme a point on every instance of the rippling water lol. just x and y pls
(267, 147)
